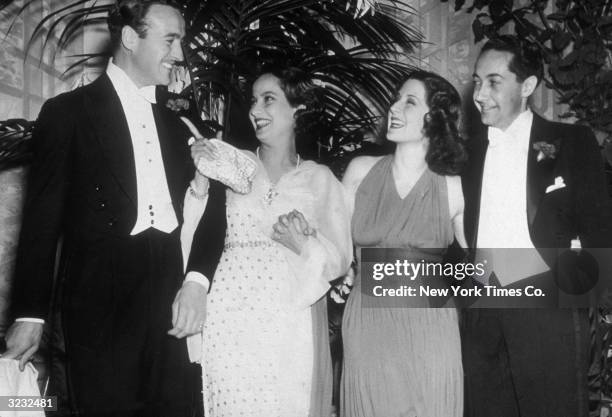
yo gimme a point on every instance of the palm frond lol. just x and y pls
(356, 55)
(322, 37)
(15, 135)
(54, 19)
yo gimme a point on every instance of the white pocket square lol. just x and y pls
(559, 183)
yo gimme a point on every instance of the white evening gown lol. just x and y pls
(257, 355)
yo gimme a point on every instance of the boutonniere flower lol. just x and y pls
(178, 104)
(546, 150)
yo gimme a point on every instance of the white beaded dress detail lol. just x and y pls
(257, 354)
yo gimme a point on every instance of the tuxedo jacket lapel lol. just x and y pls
(539, 174)
(111, 129)
(472, 185)
(174, 156)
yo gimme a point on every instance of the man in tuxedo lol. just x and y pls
(531, 184)
(109, 177)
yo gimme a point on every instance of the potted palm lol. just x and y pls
(355, 49)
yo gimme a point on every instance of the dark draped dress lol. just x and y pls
(401, 361)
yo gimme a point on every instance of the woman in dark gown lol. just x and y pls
(407, 361)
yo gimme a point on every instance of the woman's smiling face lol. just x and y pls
(406, 115)
(271, 114)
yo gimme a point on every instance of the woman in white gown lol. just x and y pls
(265, 349)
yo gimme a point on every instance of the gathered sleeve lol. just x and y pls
(327, 255)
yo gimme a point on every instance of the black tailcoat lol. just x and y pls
(533, 362)
(117, 289)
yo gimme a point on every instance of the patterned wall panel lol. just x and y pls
(40, 75)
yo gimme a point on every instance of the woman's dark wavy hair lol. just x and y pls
(131, 13)
(446, 154)
(300, 89)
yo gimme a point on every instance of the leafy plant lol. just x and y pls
(353, 59)
(600, 374)
(350, 47)
(575, 40)
(15, 135)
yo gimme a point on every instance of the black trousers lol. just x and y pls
(116, 313)
(525, 362)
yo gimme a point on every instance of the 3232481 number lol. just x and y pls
(23, 403)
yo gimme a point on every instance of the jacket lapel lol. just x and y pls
(539, 174)
(473, 185)
(174, 155)
(111, 129)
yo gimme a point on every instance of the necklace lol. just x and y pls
(271, 194)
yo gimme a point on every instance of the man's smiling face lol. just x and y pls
(154, 55)
(498, 94)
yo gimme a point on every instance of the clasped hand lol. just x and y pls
(292, 231)
(188, 310)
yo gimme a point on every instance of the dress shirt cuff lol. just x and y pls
(193, 209)
(29, 320)
(193, 276)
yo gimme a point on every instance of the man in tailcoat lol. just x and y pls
(539, 186)
(109, 178)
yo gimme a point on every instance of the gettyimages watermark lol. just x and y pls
(486, 278)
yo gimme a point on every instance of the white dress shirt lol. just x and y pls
(155, 208)
(503, 202)
(154, 203)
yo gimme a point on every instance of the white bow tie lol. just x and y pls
(497, 137)
(148, 93)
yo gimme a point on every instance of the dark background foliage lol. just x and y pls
(575, 40)
(14, 145)
(358, 59)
